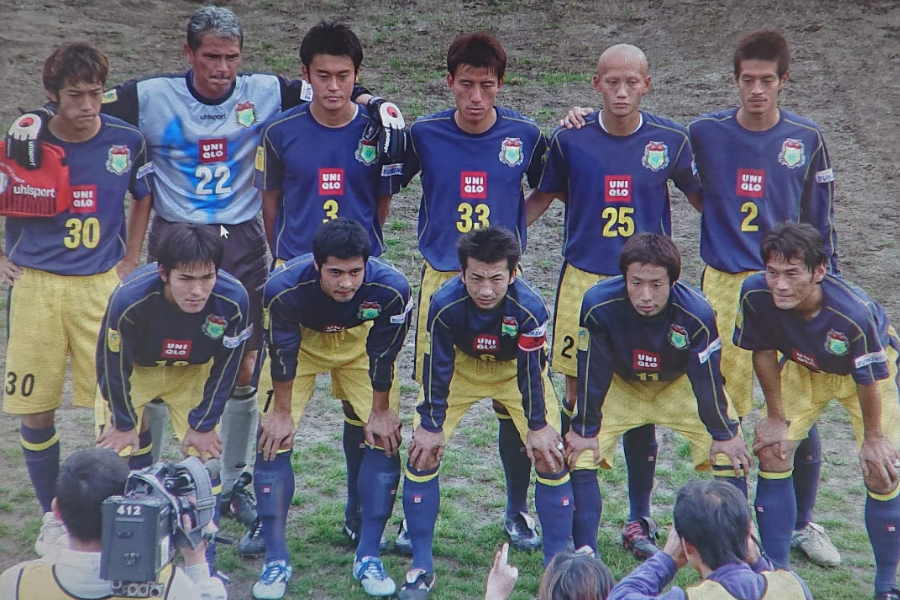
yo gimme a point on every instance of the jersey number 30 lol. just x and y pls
(82, 233)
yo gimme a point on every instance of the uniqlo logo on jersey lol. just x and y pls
(751, 183)
(177, 349)
(644, 360)
(331, 182)
(485, 342)
(617, 188)
(214, 150)
(473, 184)
(804, 359)
(84, 199)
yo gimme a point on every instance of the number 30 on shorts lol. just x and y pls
(19, 385)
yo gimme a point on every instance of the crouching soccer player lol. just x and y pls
(63, 265)
(173, 330)
(839, 344)
(486, 339)
(339, 311)
(648, 353)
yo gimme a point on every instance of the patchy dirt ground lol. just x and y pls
(845, 75)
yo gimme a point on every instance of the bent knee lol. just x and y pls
(771, 462)
(879, 483)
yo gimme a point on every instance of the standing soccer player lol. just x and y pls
(761, 165)
(486, 338)
(473, 159)
(648, 353)
(63, 261)
(838, 344)
(336, 311)
(613, 176)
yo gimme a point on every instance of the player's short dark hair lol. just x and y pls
(76, 62)
(763, 45)
(184, 244)
(218, 21)
(86, 479)
(713, 517)
(573, 575)
(331, 37)
(489, 245)
(479, 49)
(651, 249)
(794, 240)
(340, 238)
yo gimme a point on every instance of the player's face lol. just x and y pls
(214, 64)
(648, 288)
(79, 104)
(188, 286)
(475, 90)
(792, 284)
(332, 78)
(759, 85)
(340, 278)
(622, 81)
(487, 283)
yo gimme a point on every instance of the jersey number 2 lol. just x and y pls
(330, 208)
(205, 176)
(752, 211)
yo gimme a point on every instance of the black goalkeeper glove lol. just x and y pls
(388, 129)
(23, 138)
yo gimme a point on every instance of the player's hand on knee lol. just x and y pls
(545, 449)
(390, 133)
(124, 443)
(426, 449)
(879, 461)
(576, 444)
(23, 138)
(206, 444)
(9, 271)
(736, 451)
(383, 430)
(276, 433)
(574, 119)
(771, 432)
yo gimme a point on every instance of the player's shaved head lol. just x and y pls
(623, 54)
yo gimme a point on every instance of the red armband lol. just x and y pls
(42, 192)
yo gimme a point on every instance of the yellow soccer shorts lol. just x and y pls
(807, 394)
(51, 318)
(474, 379)
(573, 284)
(343, 355)
(431, 280)
(723, 290)
(631, 403)
(179, 387)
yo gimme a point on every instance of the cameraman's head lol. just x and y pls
(86, 479)
(712, 519)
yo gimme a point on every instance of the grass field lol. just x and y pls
(552, 47)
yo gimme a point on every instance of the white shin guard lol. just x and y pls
(238, 432)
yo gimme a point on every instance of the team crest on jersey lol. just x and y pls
(836, 343)
(118, 161)
(366, 152)
(511, 152)
(792, 154)
(369, 310)
(678, 336)
(245, 112)
(509, 326)
(656, 156)
(214, 326)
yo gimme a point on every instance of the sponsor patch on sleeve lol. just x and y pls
(260, 162)
(584, 339)
(825, 176)
(113, 340)
(401, 318)
(392, 169)
(704, 354)
(306, 91)
(534, 339)
(144, 170)
(109, 96)
(871, 358)
(232, 342)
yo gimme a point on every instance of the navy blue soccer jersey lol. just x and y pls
(849, 335)
(470, 181)
(680, 340)
(89, 238)
(323, 173)
(616, 186)
(294, 299)
(753, 180)
(142, 328)
(516, 329)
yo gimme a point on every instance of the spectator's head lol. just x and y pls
(488, 258)
(86, 479)
(794, 256)
(651, 264)
(213, 49)
(575, 576)
(189, 256)
(712, 519)
(341, 248)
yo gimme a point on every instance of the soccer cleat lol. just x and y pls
(252, 544)
(418, 585)
(639, 537)
(403, 544)
(351, 531)
(814, 542)
(522, 532)
(52, 538)
(273, 581)
(369, 571)
(239, 503)
(894, 594)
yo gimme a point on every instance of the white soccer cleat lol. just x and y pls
(814, 542)
(369, 571)
(273, 581)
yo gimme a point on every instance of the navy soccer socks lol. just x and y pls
(776, 512)
(41, 450)
(553, 497)
(421, 501)
(882, 523)
(640, 458)
(588, 508)
(273, 482)
(807, 468)
(516, 467)
(377, 488)
(354, 437)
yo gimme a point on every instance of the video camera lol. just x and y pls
(143, 527)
